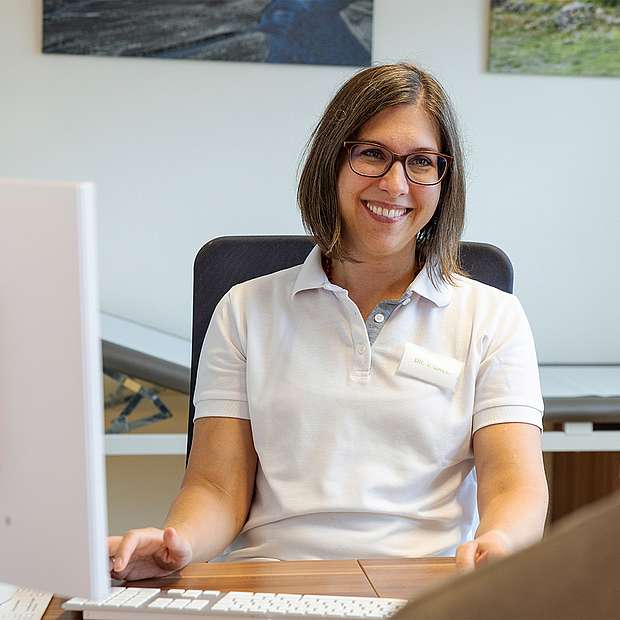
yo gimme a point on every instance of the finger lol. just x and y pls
(172, 550)
(125, 550)
(176, 544)
(171, 538)
(113, 543)
(465, 556)
(482, 558)
(172, 547)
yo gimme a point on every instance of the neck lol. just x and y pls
(385, 278)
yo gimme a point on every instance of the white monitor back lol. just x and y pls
(53, 522)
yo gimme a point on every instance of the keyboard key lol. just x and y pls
(137, 601)
(115, 591)
(197, 604)
(316, 611)
(234, 594)
(220, 606)
(120, 599)
(192, 593)
(161, 603)
(211, 593)
(232, 600)
(179, 603)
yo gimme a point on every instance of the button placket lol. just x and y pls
(361, 344)
(362, 354)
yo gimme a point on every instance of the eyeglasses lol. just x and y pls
(371, 159)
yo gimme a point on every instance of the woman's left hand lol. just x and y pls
(491, 545)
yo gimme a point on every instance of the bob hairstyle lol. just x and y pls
(367, 93)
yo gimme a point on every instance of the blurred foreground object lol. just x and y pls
(573, 574)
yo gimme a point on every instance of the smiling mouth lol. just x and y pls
(392, 214)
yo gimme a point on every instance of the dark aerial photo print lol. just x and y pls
(322, 32)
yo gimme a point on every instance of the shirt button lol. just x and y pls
(406, 301)
(379, 318)
(361, 349)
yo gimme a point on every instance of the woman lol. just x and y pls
(341, 405)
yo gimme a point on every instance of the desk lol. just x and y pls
(392, 578)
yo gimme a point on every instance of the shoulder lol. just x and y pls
(273, 288)
(485, 308)
(468, 290)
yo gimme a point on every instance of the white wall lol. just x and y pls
(141, 489)
(165, 141)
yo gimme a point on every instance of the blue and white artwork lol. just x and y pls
(321, 32)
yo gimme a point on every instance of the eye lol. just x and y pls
(371, 153)
(420, 161)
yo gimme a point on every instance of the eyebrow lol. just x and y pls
(415, 150)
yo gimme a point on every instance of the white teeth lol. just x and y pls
(385, 212)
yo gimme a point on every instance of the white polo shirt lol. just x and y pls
(365, 450)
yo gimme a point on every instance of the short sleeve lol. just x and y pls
(508, 383)
(221, 377)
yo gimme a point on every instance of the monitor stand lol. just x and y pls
(6, 592)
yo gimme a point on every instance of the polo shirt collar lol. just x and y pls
(312, 276)
(440, 293)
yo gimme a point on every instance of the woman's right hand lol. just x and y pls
(148, 552)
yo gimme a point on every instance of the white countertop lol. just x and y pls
(578, 381)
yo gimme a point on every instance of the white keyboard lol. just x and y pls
(147, 603)
(25, 604)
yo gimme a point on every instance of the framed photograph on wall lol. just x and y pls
(321, 32)
(555, 37)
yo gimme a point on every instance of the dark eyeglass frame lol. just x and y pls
(349, 144)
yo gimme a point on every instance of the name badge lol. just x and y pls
(420, 363)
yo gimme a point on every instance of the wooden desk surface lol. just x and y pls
(398, 578)
(404, 578)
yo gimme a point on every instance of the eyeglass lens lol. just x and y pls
(374, 161)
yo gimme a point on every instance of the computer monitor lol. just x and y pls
(53, 520)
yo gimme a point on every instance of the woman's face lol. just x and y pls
(367, 235)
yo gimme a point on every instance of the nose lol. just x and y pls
(395, 181)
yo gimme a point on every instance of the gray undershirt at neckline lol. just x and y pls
(381, 313)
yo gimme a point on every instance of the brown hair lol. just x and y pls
(367, 93)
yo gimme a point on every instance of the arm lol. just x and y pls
(215, 496)
(208, 512)
(512, 492)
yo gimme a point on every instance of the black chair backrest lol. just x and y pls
(226, 261)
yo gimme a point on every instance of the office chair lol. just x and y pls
(226, 261)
